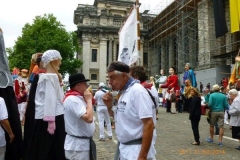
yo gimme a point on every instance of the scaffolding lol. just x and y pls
(184, 31)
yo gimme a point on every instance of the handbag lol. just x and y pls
(209, 116)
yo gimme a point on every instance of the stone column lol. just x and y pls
(110, 52)
(163, 56)
(204, 19)
(86, 51)
(140, 54)
(115, 43)
(103, 60)
(171, 55)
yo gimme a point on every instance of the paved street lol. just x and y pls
(174, 141)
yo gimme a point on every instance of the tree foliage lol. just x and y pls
(45, 33)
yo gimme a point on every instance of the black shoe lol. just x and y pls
(101, 139)
(238, 148)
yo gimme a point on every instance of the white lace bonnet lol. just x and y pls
(50, 55)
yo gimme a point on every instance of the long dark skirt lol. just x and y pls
(29, 116)
(44, 146)
(187, 104)
(13, 150)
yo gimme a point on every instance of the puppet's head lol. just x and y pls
(24, 73)
(52, 60)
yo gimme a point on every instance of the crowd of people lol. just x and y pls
(221, 102)
(60, 125)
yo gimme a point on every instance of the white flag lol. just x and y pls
(128, 48)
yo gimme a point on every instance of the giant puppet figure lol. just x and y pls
(235, 75)
(189, 74)
(21, 81)
(34, 68)
(13, 150)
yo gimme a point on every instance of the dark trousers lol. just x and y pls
(179, 106)
(195, 124)
(168, 106)
(186, 105)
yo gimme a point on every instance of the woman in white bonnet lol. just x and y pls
(49, 132)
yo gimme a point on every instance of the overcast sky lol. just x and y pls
(14, 14)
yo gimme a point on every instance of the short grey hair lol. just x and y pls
(119, 72)
(188, 64)
(233, 92)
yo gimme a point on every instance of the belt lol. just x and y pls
(132, 142)
(93, 150)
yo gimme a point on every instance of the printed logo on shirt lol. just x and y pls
(121, 106)
(124, 103)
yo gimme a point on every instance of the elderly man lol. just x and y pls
(217, 104)
(78, 117)
(139, 73)
(134, 114)
(234, 111)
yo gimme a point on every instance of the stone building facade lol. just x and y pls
(98, 27)
(185, 32)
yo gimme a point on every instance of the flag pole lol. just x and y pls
(138, 32)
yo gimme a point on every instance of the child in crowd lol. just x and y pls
(173, 100)
(179, 101)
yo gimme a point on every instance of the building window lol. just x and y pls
(94, 55)
(93, 76)
(145, 59)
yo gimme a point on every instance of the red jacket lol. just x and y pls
(172, 82)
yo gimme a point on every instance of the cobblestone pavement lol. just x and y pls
(174, 141)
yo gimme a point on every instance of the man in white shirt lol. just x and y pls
(79, 123)
(138, 72)
(4, 122)
(133, 116)
(102, 113)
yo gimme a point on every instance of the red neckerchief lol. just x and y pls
(147, 85)
(72, 93)
(41, 71)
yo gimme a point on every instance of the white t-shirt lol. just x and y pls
(154, 93)
(3, 115)
(74, 108)
(98, 97)
(133, 105)
(49, 96)
(203, 103)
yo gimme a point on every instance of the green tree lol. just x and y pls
(45, 33)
